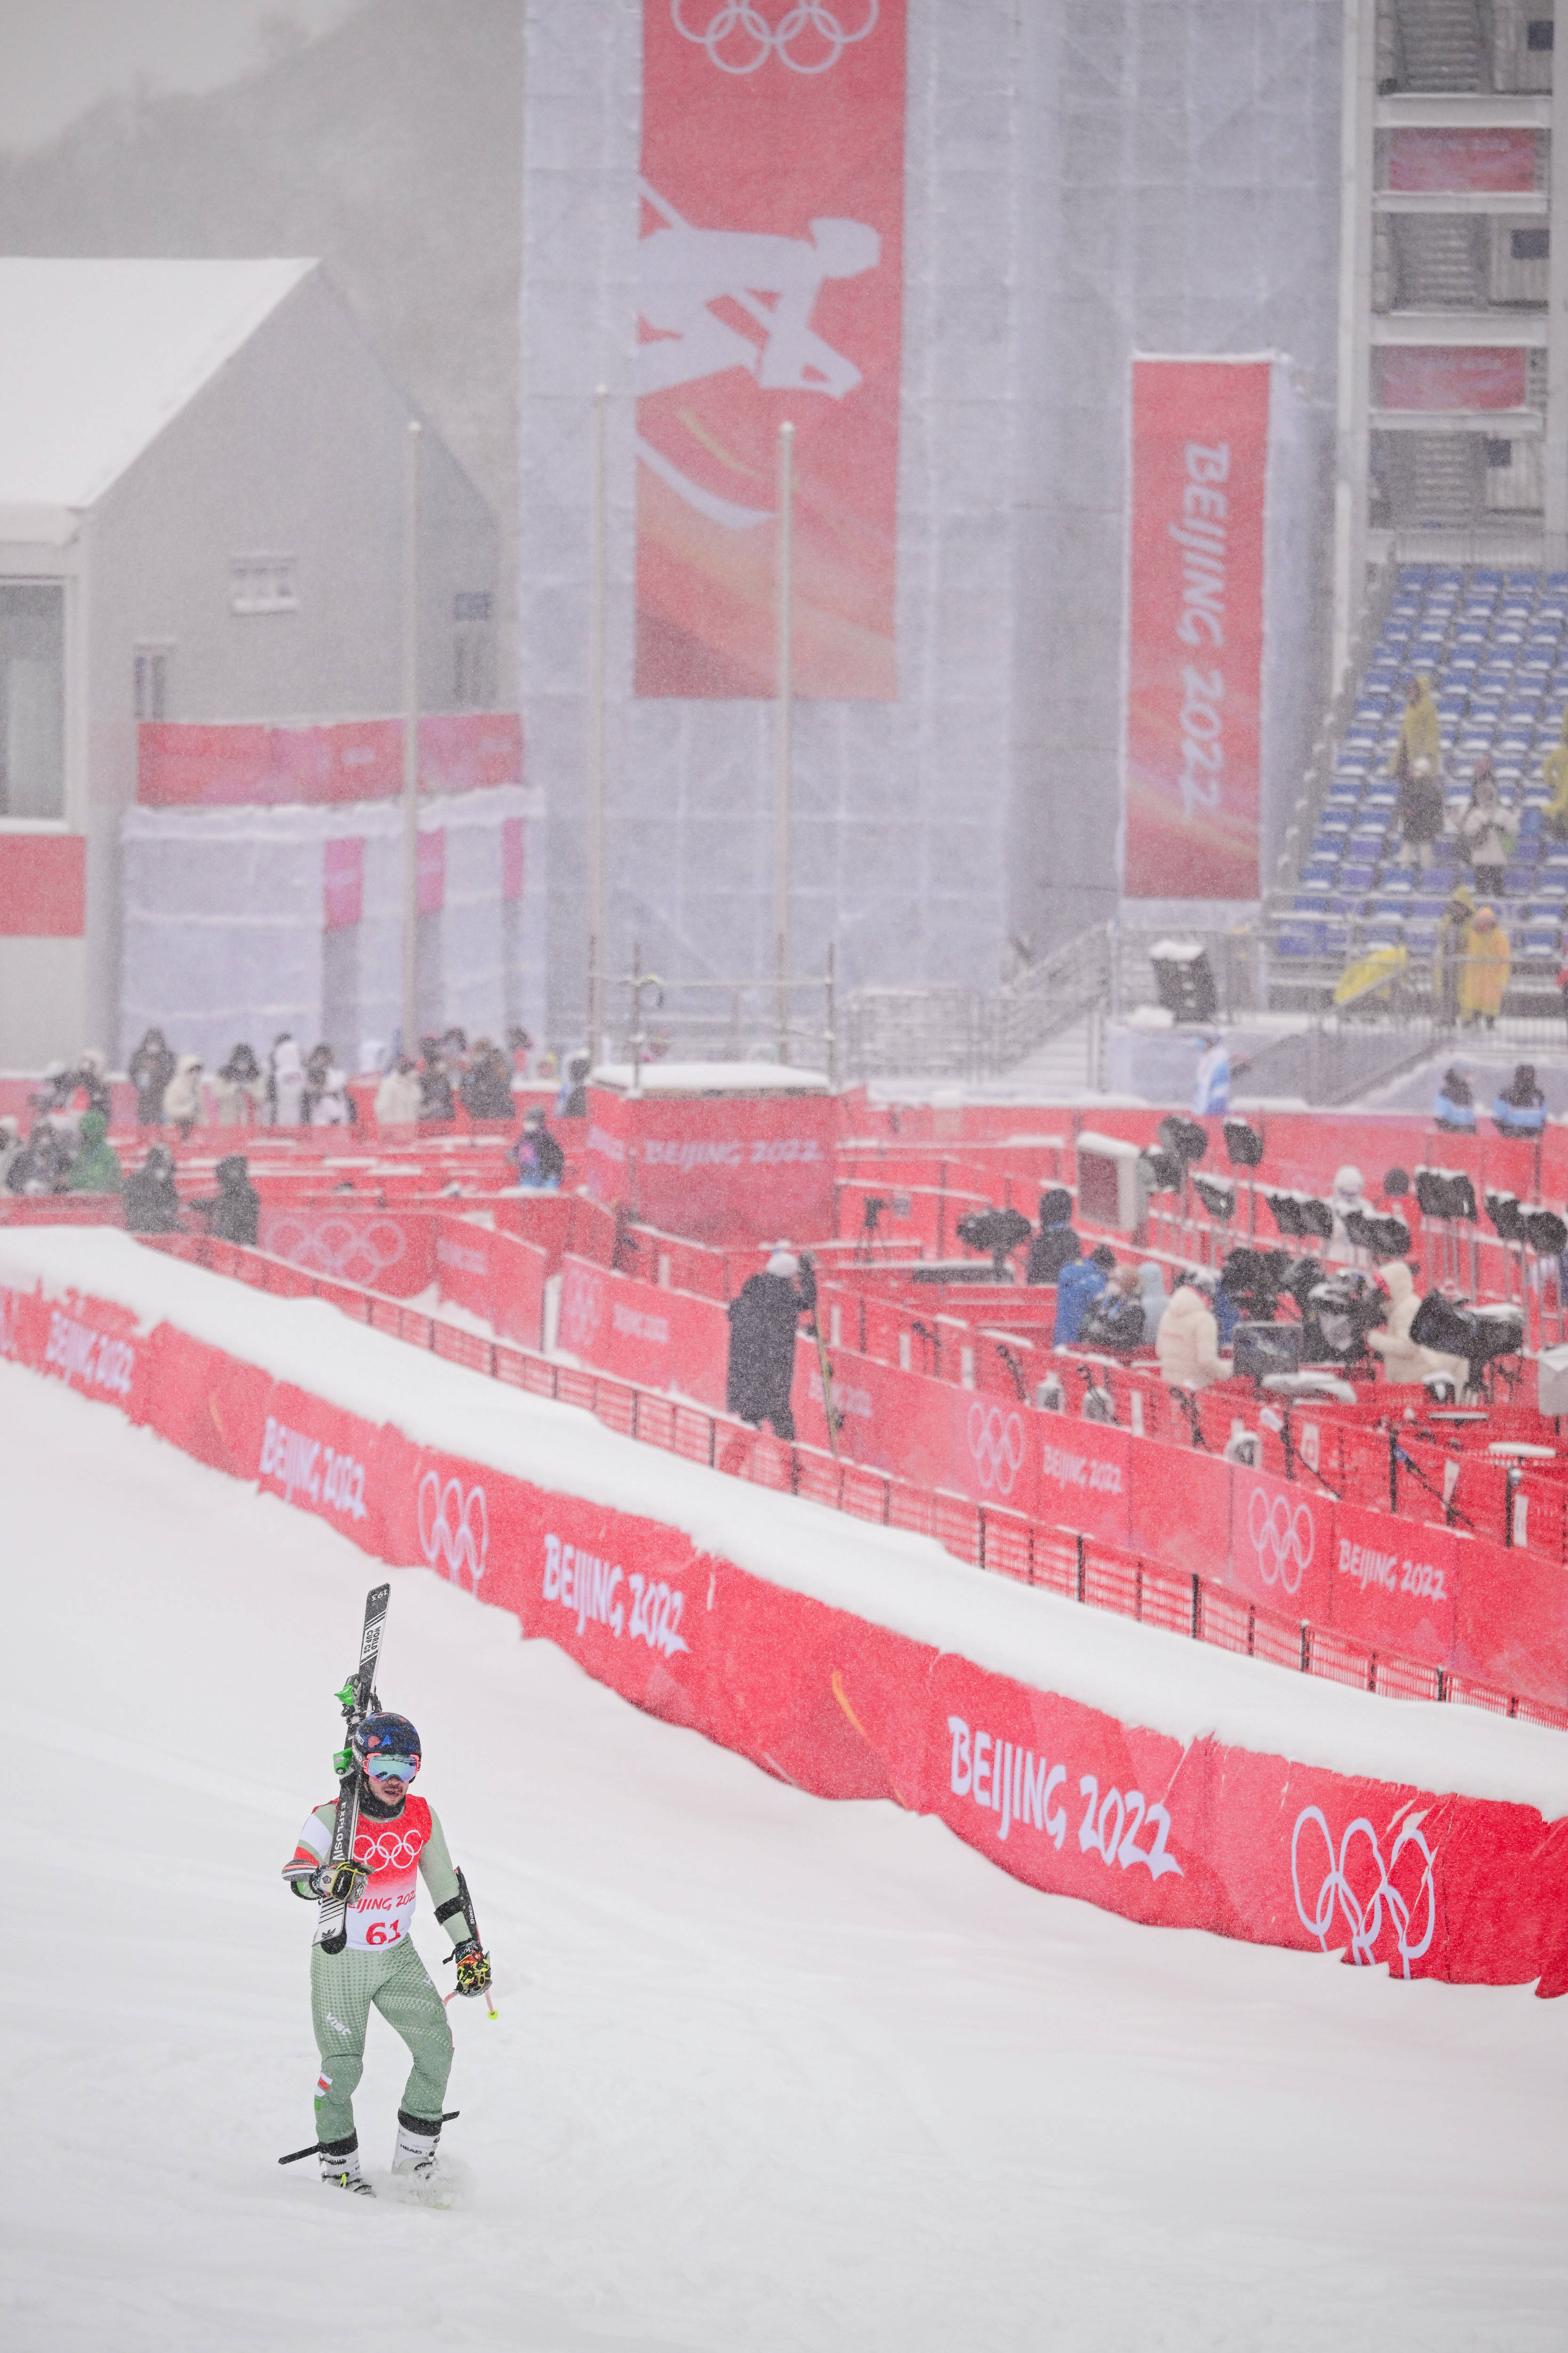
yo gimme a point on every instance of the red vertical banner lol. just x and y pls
(1195, 627)
(770, 290)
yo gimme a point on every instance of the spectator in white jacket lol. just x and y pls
(1403, 1360)
(183, 1095)
(1188, 1343)
(398, 1096)
(286, 1082)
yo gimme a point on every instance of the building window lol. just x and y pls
(1530, 243)
(1500, 453)
(262, 583)
(32, 698)
(1538, 33)
(152, 672)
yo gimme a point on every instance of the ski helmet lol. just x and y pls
(386, 1736)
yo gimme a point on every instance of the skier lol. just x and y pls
(379, 1963)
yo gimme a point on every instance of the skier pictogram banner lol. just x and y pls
(1194, 629)
(770, 289)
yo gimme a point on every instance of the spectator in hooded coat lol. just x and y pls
(486, 1088)
(96, 1168)
(151, 1204)
(1449, 951)
(1420, 735)
(1152, 1291)
(41, 1165)
(239, 1089)
(90, 1084)
(1483, 983)
(285, 1082)
(1420, 809)
(1554, 772)
(1486, 837)
(1078, 1286)
(11, 1147)
(1403, 1360)
(435, 1087)
(1455, 1109)
(572, 1102)
(151, 1068)
(1521, 1107)
(1188, 1345)
(398, 1097)
(233, 1212)
(541, 1163)
(183, 1096)
(326, 1100)
(762, 1321)
(1056, 1245)
(1115, 1320)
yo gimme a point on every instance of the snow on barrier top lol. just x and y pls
(887, 1578)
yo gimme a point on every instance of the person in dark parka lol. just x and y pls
(151, 1066)
(151, 1204)
(232, 1211)
(762, 1321)
(1056, 1245)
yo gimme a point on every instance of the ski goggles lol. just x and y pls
(391, 1769)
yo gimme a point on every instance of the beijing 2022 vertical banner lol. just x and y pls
(1194, 624)
(770, 288)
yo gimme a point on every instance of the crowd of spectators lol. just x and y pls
(66, 1147)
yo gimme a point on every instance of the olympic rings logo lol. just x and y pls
(996, 1443)
(336, 1246)
(581, 1308)
(809, 37)
(454, 1527)
(392, 1848)
(1281, 1539)
(1365, 1919)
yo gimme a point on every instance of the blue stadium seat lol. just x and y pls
(1299, 937)
(1355, 878)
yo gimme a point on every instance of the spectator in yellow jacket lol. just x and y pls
(1418, 736)
(1483, 983)
(1555, 770)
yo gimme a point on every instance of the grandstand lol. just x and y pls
(1492, 644)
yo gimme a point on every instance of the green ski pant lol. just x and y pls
(342, 1988)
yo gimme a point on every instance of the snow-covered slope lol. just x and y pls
(770, 2074)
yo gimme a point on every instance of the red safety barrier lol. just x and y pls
(725, 1169)
(1060, 1794)
(494, 1275)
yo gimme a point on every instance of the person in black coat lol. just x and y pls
(486, 1085)
(232, 1211)
(1056, 1245)
(435, 1087)
(151, 1204)
(42, 1163)
(762, 1321)
(152, 1067)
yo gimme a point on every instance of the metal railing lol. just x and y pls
(989, 1538)
(969, 1033)
(706, 1020)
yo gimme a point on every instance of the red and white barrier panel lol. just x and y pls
(1172, 1832)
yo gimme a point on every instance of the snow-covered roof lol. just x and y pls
(97, 357)
(714, 1079)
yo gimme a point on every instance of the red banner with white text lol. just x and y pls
(1194, 629)
(769, 290)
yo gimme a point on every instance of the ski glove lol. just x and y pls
(340, 1882)
(473, 1967)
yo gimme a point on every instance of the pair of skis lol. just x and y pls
(358, 1700)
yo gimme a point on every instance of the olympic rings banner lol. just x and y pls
(770, 289)
(1194, 629)
(1060, 1794)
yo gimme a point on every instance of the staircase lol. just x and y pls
(1442, 44)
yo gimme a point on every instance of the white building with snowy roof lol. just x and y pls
(201, 468)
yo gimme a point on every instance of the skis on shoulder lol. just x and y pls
(358, 1700)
